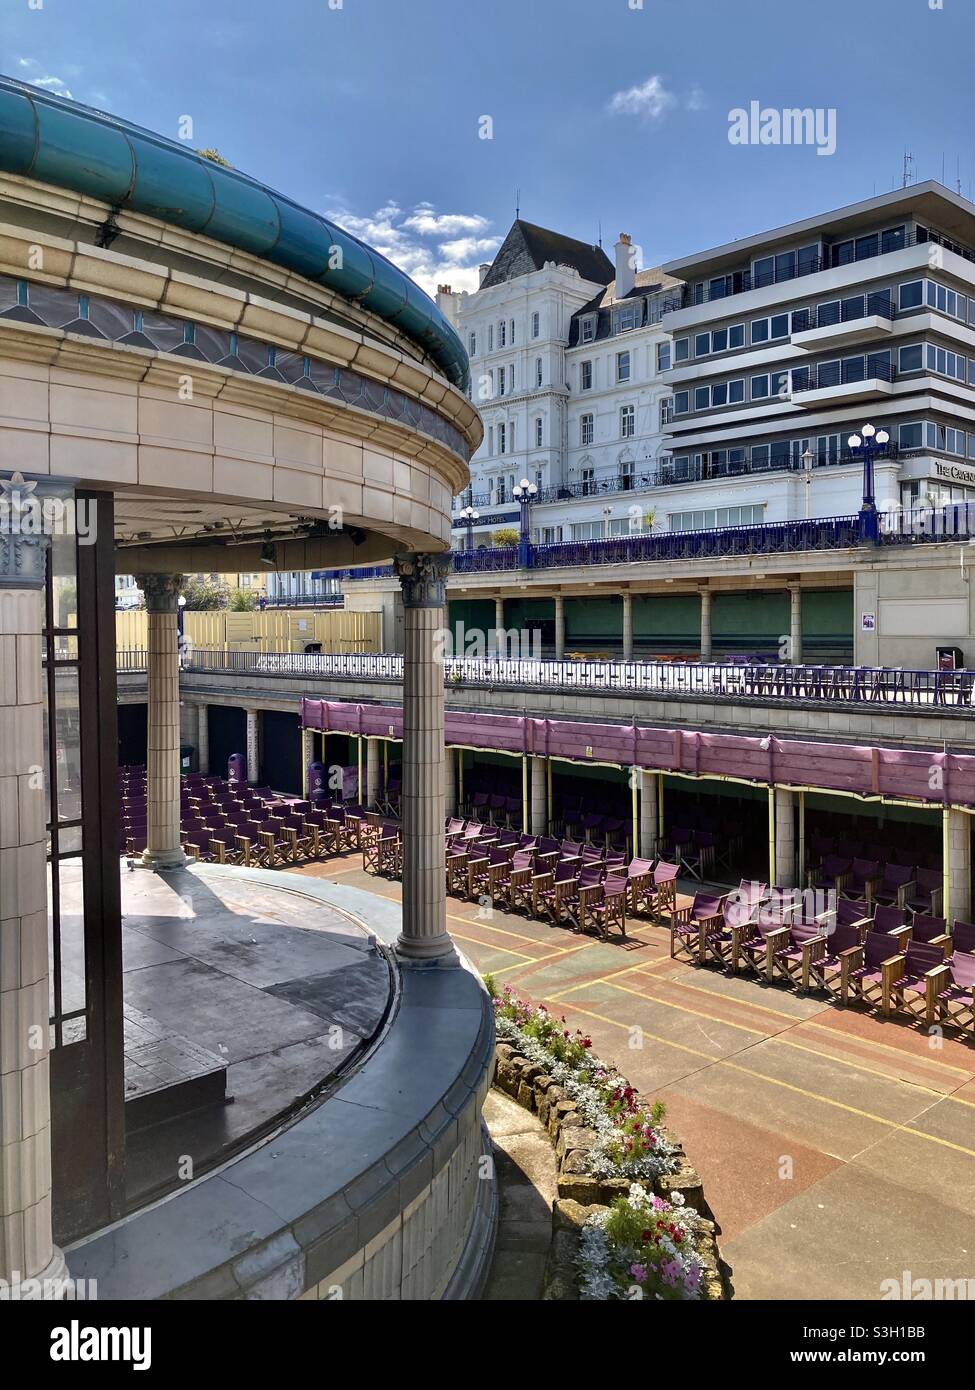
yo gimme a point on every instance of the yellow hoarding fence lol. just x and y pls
(274, 630)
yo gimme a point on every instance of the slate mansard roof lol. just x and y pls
(527, 248)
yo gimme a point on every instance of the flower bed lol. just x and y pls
(631, 1217)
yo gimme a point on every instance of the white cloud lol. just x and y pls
(428, 223)
(415, 242)
(696, 100)
(36, 77)
(648, 100)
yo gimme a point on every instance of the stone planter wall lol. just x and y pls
(580, 1193)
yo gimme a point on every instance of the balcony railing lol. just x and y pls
(731, 681)
(829, 315)
(741, 281)
(840, 374)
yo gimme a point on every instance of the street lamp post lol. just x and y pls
(524, 492)
(867, 442)
(470, 516)
(807, 468)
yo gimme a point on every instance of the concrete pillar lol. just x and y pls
(374, 772)
(785, 838)
(559, 627)
(307, 749)
(499, 645)
(627, 626)
(958, 897)
(450, 782)
(539, 797)
(163, 849)
(253, 747)
(424, 935)
(706, 648)
(27, 1249)
(795, 624)
(649, 820)
(203, 738)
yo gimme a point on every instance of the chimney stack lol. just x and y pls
(482, 271)
(447, 303)
(625, 266)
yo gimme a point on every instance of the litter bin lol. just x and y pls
(950, 658)
(317, 781)
(186, 751)
(237, 767)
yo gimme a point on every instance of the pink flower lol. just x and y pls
(639, 1273)
(671, 1271)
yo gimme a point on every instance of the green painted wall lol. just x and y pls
(667, 624)
(593, 623)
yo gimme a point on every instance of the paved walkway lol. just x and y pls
(837, 1149)
(528, 1183)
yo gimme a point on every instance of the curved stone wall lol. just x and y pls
(378, 1192)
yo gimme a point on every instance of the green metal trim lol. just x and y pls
(56, 141)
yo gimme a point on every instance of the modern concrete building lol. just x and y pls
(788, 341)
(211, 378)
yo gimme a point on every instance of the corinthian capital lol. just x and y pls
(423, 579)
(161, 591)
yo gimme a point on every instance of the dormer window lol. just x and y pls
(588, 329)
(626, 319)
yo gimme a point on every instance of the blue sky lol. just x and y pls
(602, 113)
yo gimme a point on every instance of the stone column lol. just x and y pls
(559, 627)
(163, 849)
(649, 821)
(203, 738)
(500, 645)
(705, 624)
(27, 1249)
(307, 747)
(785, 838)
(449, 782)
(374, 772)
(627, 626)
(958, 898)
(795, 624)
(253, 747)
(424, 935)
(539, 797)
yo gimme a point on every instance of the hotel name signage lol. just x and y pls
(955, 472)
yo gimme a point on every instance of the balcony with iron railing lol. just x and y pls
(858, 379)
(741, 281)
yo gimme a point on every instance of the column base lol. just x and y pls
(49, 1284)
(164, 859)
(427, 950)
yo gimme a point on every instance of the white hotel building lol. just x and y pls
(788, 342)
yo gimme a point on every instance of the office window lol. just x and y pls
(585, 376)
(663, 357)
(627, 421)
(586, 425)
(538, 432)
(536, 325)
(622, 366)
